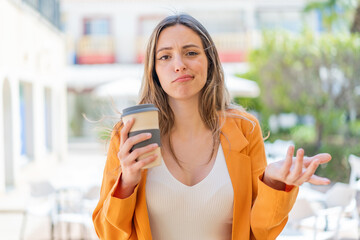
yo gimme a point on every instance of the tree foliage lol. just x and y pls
(355, 27)
(335, 14)
(310, 74)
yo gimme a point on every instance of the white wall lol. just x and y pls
(2, 150)
(32, 52)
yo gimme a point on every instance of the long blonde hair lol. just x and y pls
(214, 97)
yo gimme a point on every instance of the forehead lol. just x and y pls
(178, 35)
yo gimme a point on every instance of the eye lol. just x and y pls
(164, 57)
(192, 53)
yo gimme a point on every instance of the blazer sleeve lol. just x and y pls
(113, 217)
(270, 207)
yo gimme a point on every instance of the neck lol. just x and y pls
(187, 118)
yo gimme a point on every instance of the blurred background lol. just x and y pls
(68, 67)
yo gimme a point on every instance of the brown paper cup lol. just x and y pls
(146, 121)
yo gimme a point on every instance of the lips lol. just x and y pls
(184, 78)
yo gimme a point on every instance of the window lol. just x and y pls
(97, 26)
(279, 19)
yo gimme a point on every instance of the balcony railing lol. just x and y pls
(95, 50)
(49, 9)
(232, 47)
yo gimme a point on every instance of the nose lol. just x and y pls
(179, 64)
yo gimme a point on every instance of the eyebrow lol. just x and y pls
(184, 47)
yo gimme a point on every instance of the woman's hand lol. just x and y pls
(295, 171)
(130, 167)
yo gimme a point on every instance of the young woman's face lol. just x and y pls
(180, 62)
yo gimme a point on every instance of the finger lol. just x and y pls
(143, 162)
(308, 173)
(298, 169)
(127, 161)
(323, 157)
(131, 141)
(125, 131)
(288, 162)
(319, 180)
(140, 151)
(131, 159)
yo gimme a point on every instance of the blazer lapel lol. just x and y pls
(238, 163)
(232, 137)
(141, 218)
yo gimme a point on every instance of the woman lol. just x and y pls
(214, 182)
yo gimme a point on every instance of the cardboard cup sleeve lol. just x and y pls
(146, 121)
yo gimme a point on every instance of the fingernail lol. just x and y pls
(154, 145)
(148, 134)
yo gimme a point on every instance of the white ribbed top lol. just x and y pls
(203, 211)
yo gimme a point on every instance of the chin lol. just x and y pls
(186, 97)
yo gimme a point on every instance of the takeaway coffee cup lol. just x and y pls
(146, 121)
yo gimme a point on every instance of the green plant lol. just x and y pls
(354, 128)
(315, 75)
(309, 74)
(303, 134)
(338, 168)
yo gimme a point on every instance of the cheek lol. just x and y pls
(158, 74)
(163, 72)
(162, 80)
(202, 67)
(162, 84)
(203, 70)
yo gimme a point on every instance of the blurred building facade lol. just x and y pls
(102, 35)
(32, 87)
(116, 31)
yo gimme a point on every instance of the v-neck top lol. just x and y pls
(202, 211)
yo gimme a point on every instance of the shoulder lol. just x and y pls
(116, 129)
(239, 113)
(240, 129)
(115, 134)
(244, 120)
